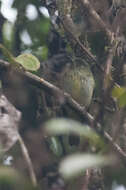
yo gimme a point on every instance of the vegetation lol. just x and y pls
(63, 95)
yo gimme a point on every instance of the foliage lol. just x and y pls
(67, 127)
(75, 131)
(120, 94)
(77, 164)
(28, 61)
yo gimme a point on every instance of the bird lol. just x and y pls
(73, 75)
(78, 81)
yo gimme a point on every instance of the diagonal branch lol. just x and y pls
(87, 5)
(28, 161)
(53, 90)
(65, 22)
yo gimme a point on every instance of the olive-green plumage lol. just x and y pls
(79, 82)
(72, 75)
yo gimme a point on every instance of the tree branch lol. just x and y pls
(53, 90)
(87, 5)
(28, 161)
(74, 37)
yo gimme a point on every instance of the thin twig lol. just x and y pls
(106, 85)
(53, 90)
(116, 147)
(86, 179)
(74, 37)
(28, 161)
(87, 5)
(108, 65)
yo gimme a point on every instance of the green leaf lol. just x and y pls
(122, 100)
(77, 164)
(67, 127)
(28, 61)
(8, 32)
(118, 91)
(44, 53)
(38, 30)
(55, 146)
